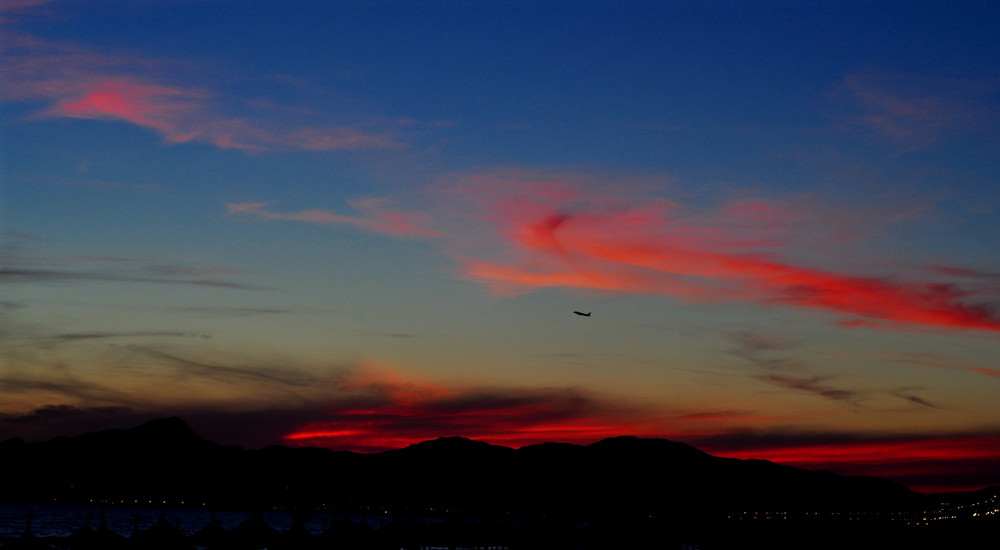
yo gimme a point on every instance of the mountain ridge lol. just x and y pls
(165, 459)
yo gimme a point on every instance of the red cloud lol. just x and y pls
(390, 412)
(923, 463)
(941, 364)
(553, 233)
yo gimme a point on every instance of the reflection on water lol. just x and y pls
(62, 521)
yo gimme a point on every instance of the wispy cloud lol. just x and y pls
(77, 337)
(518, 231)
(374, 215)
(775, 364)
(916, 112)
(19, 265)
(907, 395)
(72, 81)
(936, 362)
(235, 311)
(12, 7)
(811, 384)
(30, 275)
(778, 361)
(563, 234)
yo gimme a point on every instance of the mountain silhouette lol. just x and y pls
(622, 489)
(166, 461)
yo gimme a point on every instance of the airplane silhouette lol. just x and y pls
(582, 313)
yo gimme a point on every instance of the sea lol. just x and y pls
(53, 520)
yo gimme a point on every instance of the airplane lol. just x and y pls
(583, 314)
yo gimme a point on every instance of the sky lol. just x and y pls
(361, 225)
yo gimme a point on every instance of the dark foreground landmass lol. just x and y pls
(621, 492)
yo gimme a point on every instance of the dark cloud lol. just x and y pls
(772, 356)
(72, 337)
(765, 351)
(225, 311)
(379, 410)
(258, 401)
(22, 264)
(33, 275)
(397, 415)
(25, 337)
(60, 383)
(277, 378)
(254, 402)
(908, 395)
(757, 341)
(814, 385)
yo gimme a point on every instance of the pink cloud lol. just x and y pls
(74, 82)
(163, 108)
(17, 5)
(561, 234)
(916, 111)
(517, 232)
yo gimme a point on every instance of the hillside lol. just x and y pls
(164, 460)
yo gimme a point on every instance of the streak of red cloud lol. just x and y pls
(402, 411)
(938, 364)
(926, 464)
(554, 234)
(390, 429)
(375, 217)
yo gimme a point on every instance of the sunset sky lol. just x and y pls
(361, 225)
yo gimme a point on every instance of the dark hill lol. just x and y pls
(164, 460)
